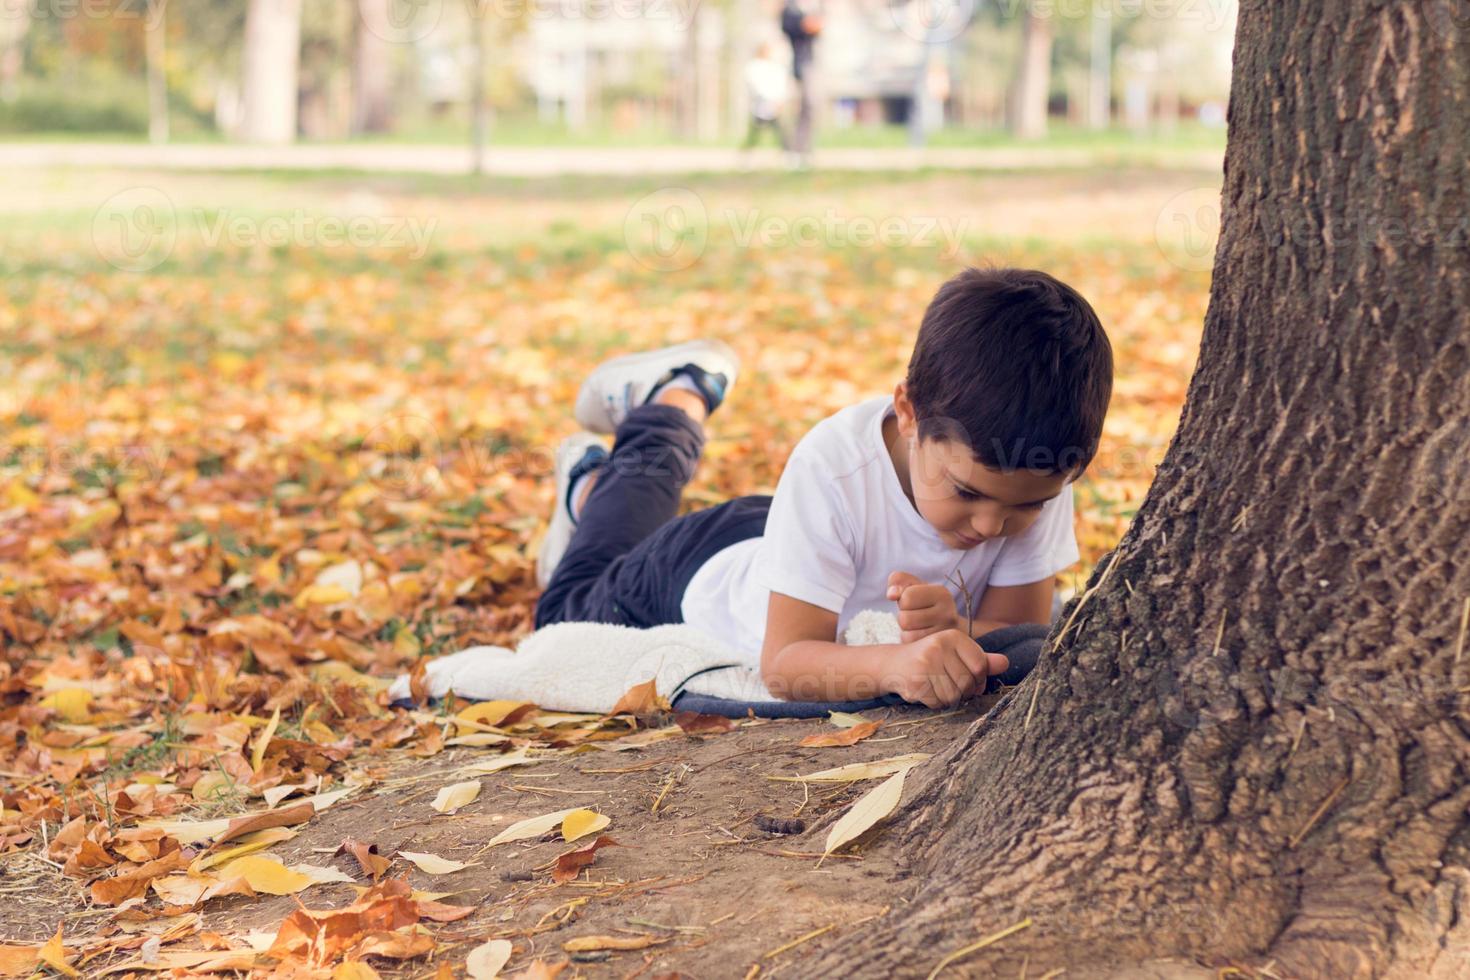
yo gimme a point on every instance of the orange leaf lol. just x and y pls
(300, 813)
(640, 699)
(848, 736)
(570, 864)
(372, 863)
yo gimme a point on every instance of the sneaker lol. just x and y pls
(617, 386)
(575, 455)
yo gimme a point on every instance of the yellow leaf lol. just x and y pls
(406, 645)
(531, 827)
(248, 844)
(266, 874)
(487, 960)
(489, 712)
(257, 753)
(874, 806)
(516, 758)
(354, 970)
(858, 770)
(432, 864)
(580, 823)
(53, 954)
(843, 719)
(322, 595)
(478, 739)
(584, 944)
(73, 704)
(456, 795)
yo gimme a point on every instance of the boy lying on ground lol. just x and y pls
(958, 484)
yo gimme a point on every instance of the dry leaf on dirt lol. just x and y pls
(570, 864)
(373, 864)
(432, 864)
(580, 823)
(456, 795)
(487, 960)
(586, 944)
(867, 811)
(848, 736)
(531, 827)
(859, 770)
(640, 699)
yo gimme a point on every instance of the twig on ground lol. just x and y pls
(974, 947)
(798, 941)
(1318, 813)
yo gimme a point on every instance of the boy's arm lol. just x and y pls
(1008, 605)
(801, 660)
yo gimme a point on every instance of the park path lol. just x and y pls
(522, 161)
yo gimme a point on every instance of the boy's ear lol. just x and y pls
(904, 410)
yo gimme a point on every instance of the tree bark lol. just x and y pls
(154, 28)
(271, 60)
(371, 67)
(1033, 77)
(1249, 742)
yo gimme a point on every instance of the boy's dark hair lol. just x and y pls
(1015, 364)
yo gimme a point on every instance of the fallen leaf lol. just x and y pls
(541, 970)
(867, 811)
(844, 719)
(570, 864)
(531, 827)
(354, 970)
(432, 864)
(248, 844)
(859, 770)
(53, 954)
(266, 874)
(456, 795)
(263, 740)
(848, 736)
(372, 863)
(240, 826)
(487, 960)
(640, 699)
(518, 757)
(580, 823)
(585, 944)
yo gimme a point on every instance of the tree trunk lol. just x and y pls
(153, 52)
(371, 66)
(1033, 77)
(272, 56)
(1249, 743)
(479, 107)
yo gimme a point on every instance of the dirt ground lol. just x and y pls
(721, 895)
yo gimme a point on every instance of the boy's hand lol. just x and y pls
(923, 608)
(944, 668)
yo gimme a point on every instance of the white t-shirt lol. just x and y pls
(766, 81)
(840, 523)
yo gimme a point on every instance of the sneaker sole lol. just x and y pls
(590, 411)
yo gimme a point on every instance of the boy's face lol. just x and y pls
(964, 500)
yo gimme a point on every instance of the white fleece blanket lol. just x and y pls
(589, 666)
